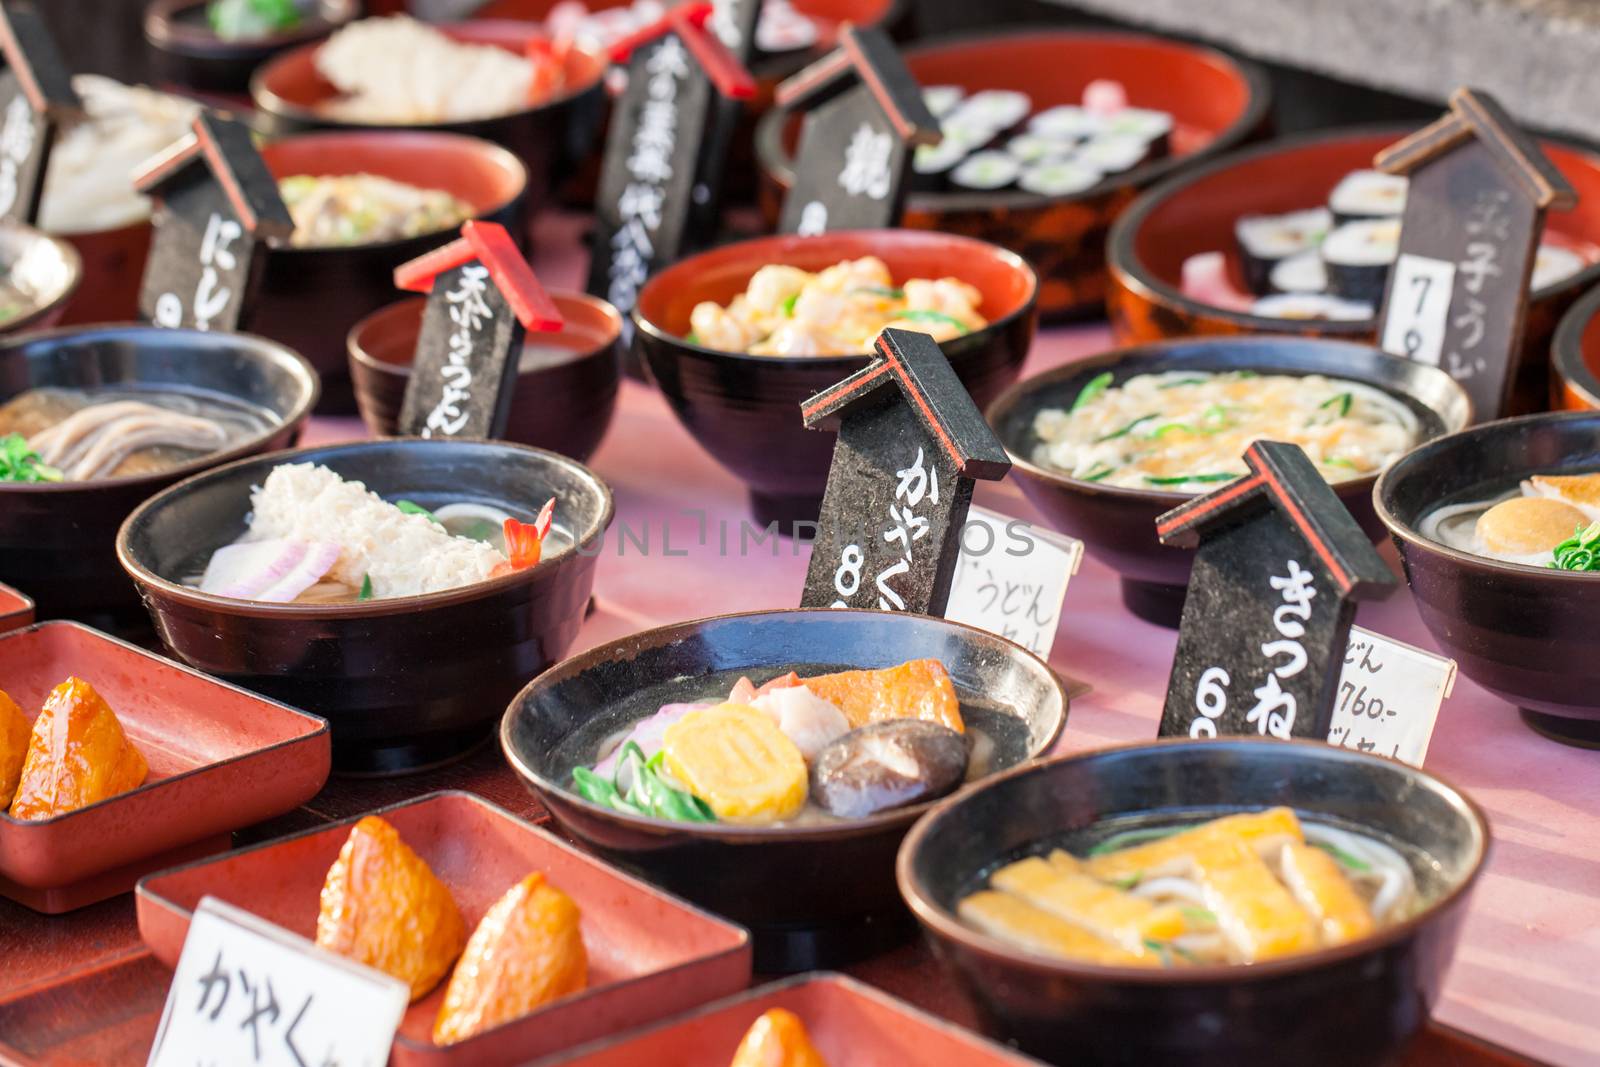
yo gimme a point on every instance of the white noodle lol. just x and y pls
(1388, 866)
(1163, 888)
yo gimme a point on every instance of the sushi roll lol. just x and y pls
(999, 109)
(1058, 177)
(967, 130)
(1267, 240)
(986, 171)
(1367, 194)
(1113, 153)
(931, 164)
(1154, 128)
(1031, 148)
(1554, 265)
(1311, 306)
(1302, 272)
(1068, 121)
(1357, 257)
(942, 99)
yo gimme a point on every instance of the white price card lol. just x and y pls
(1011, 579)
(1419, 308)
(247, 992)
(1389, 696)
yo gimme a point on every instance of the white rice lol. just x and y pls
(402, 554)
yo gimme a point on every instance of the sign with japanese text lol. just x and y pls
(850, 169)
(1389, 697)
(248, 992)
(36, 96)
(201, 258)
(1011, 579)
(463, 375)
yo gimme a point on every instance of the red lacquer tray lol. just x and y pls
(850, 1023)
(16, 609)
(221, 758)
(650, 955)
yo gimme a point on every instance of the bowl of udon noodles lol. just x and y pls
(95, 419)
(1104, 445)
(1200, 903)
(1496, 527)
(403, 589)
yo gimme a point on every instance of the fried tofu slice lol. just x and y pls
(1322, 889)
(1263, 829)
(77, 755)
(1014, 919)
(1256, 913)
(916, 689)
(1059, 886)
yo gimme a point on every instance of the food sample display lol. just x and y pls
(77, 754)
(243, 20)
(780, 27)
(1186, 431)
(777, 1038)
(398, 71)
(837, 311)
(314, 538)
(355, 209)
(1548, 520)
(1238, 889)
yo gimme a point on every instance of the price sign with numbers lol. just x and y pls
(1420, 303)
(1389, 697)
(248, 992)
(1011, 579)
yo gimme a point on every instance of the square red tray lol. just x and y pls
(650, 955)
(221, 758)
(16, 608)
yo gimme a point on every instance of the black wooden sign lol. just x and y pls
(911, 441)
(734, 23)
(215, 203)
(865, 114)
(482, 299)
(1479, 189)
(36, 99)
(654, 149)
(1280, 567)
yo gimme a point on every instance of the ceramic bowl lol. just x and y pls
(745, 410)
(404, 682)
(563, 403)
(1118, 525)
(44, 271)
(57, 541)
(1516, 630)
(1195, 212)
(187, 52)
(1217, 101)
(1356, 1003)
(1575, 357)
(813, 894)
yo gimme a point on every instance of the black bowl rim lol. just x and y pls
(744, 833)
(270, 102)
(1127, 269)
(163, 30)
(1423, 453)
(1021, 390)
(146, 578)
(254, 343)
(945, 925)
(1258, 92)
(69, 255)
(1566, 351)
(844, 364)
(441, 138)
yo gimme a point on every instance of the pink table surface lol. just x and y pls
(1525, 974)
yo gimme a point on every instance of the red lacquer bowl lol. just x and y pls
(1217, 101)
(1575, 358)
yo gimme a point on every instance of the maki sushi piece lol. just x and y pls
(1067, 121)
(1554, 265)
(1368, 194)
(1112, 153)
(1154, 128)
(999, 109)
(1267, 240)
(1302, 272)
(1311, 306)
(1031, 148)
(986, 171)
(942, 99)
(931, 163)
(1357, 257)
(1058, 177)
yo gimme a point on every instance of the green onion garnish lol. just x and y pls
(788, 305)
(1181, 478)
(1342, 399)
(1182, 381)
(1172, 427)
(1580, 552)
(19, 463)
(692, 337)
(1097, 385)
(1100, 471)
(1344, 858)
(935, 316)
(366, 588)
(1199, 916)
(1126, 430)
(1339, 461)
(1133, 837)
(416, 509)
(878, 290)
(1128, 882)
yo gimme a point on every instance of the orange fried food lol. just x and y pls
(917, 689)
(527, 951)
(383, 906)
(78, 755)
(777, 1039)
(14, 731)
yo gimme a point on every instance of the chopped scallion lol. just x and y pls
(1097, 385)
(1126, 430)
(1179, 479)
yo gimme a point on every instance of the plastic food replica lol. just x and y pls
(356, 209)
(76, 754)
(839, 311)
(777, 1039)
(1548, 520)
(1238, 889)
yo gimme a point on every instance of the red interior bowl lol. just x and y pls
(650, 954)
(220, 759)
(113, 269)
(1195, 212)
(1575, 358)
(1216, 101)
(16, 609)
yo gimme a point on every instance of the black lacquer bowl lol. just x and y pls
(1356, 1004)
(405, 682)
(745, 410)
(58, 540)
(816, 894)
(1118, 525)
(1521, 632)
(188, 53)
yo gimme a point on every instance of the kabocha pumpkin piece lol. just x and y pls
(384, 907)
(777, 1039)
(14, 732)
(916, 689)
(736, 759)
(77, 755)
(527, 951)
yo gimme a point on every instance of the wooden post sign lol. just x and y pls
(1267, 618)
(654, 149)
(866, 114)
(36, 99)
(911, 441)
(482, 297)
(1479, 190)
(215, 202)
